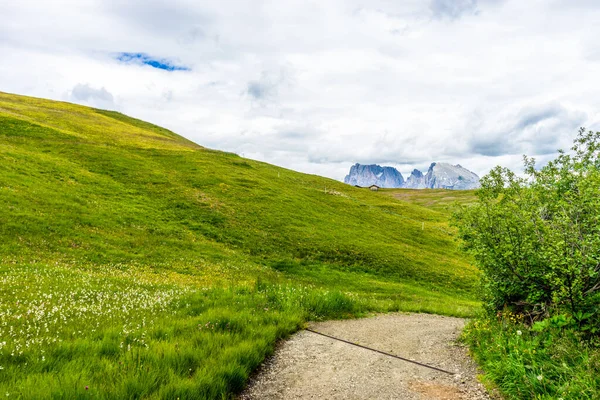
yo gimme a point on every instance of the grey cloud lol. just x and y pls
(492, 146)
(326, 152)
(84, 93)
(274, 141)
(168, 95)
(294, 135)
(538, 130)
(452, 9)
(162, 16)
(267, 87)
(366, 159)
(593, 54)
(535, 116)
(594, 126)
(455, 9)
(194, 34)
(260, 90)
(574, 4)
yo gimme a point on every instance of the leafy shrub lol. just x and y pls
(537, 238)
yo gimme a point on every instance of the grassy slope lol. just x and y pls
(118, 237)
(442, 200)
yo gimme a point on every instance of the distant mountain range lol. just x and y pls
(438, 176)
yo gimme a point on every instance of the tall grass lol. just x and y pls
(71, 333)
(522, 363)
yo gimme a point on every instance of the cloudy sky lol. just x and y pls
(319, 85)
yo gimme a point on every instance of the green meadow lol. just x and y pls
(137, 264)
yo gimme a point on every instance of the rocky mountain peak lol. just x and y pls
(439, 176)
(416, 173)
(373, 174)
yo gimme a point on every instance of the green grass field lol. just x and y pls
(443, 200)
(137, 264)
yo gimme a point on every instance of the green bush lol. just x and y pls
(537, 238)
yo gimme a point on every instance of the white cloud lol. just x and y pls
(319, 86)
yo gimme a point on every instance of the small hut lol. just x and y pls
(374, 188)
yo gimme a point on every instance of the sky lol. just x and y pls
(317, 86)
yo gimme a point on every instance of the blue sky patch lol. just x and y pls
(143, 58)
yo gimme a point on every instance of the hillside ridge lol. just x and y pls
(123, 244)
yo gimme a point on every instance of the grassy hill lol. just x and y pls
(137, 264)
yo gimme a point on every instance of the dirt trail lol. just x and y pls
(310, 366)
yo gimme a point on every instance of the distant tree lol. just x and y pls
(537, 239)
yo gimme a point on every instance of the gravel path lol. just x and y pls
(310, 366)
